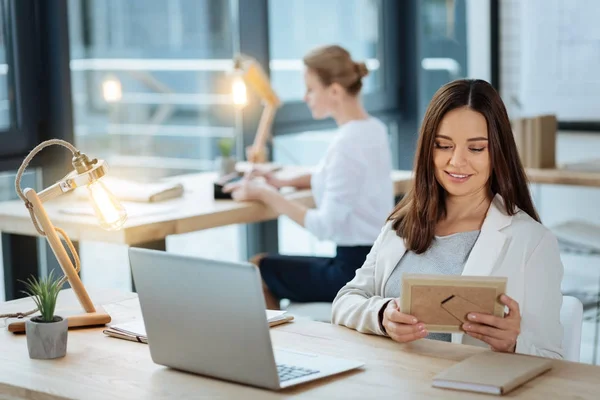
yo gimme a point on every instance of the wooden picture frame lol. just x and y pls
(442, 302)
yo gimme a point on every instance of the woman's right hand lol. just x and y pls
(269, 177)
(402, 328)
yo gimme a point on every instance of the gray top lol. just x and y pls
(447, 255)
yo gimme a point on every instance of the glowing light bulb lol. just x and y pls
(109, 210)
(238, 91)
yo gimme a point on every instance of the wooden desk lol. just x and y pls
(100, 367)
(195, 211)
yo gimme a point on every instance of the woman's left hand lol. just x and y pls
(500, 333)
(248, 190)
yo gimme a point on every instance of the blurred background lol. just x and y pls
(146, 85)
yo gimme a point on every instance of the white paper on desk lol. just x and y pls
(144, 192)
(275, 315)
(137, 327)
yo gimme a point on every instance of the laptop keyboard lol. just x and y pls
(287, 372)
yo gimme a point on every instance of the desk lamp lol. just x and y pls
(110, 213)
(249, 72)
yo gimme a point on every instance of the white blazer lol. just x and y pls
(516, 247)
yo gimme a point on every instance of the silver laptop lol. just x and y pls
(208, 317)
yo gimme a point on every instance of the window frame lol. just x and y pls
(24, 67)
(42, 89)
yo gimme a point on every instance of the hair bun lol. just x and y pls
(362, 69)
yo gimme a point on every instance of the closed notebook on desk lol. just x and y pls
(492, 373)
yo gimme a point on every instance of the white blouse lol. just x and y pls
(352, 185)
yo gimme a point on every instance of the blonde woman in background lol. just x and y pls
(351, 186)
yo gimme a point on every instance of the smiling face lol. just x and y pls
(461, 152)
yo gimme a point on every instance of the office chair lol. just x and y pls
(571, 318)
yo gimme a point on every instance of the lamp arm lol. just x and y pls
(24, 166)
(51, 192)
(258, 152)
(70, 271)
(66, 264)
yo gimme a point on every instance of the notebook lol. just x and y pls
(136, 331)
(492, 373)
(144, 192)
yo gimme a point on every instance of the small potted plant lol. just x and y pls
(225, 163)
(46, 333)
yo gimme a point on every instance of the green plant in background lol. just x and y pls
(44, 293)
(226, 146)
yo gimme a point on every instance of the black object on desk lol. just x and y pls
(222, 182)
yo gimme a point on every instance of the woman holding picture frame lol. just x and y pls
(470, 213)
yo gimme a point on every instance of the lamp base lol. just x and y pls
(75, 319)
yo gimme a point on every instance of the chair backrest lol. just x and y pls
(571, 318)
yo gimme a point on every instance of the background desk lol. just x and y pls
(564, 177)
(100, 367)
(196, 210)
(149, 224)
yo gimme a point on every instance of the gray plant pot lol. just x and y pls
(47, 340)
(225, 165)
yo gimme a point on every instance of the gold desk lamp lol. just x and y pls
(252, 74)
(110, 213)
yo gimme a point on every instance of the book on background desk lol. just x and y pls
(142, 192)
(136, 330)
(492, 373)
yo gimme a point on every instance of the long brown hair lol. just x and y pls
(333, 64)
(416, 216)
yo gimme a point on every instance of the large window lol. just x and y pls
(151, 82)
(5, 106)
(298, 26)
(7, 192)
(20, 89)
(151, 91)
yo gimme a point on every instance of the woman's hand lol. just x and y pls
(500, 333)
(248, 190)
(402, 328)
(269, 177)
